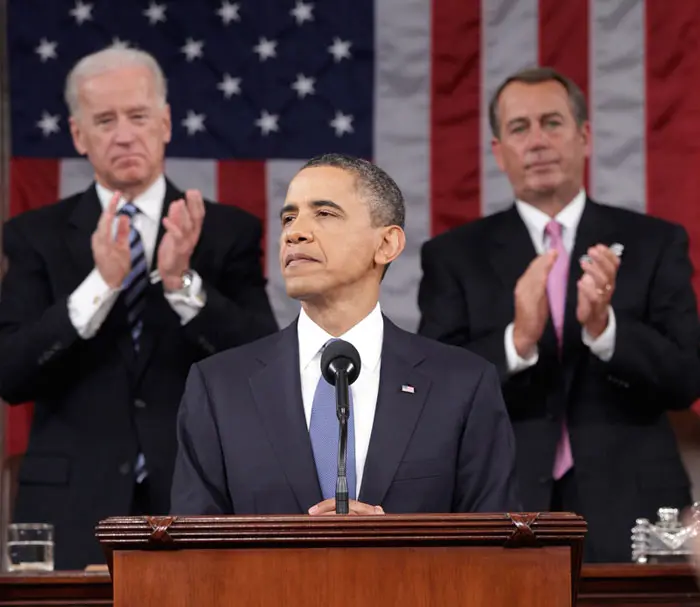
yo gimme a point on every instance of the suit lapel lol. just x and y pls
(396, 414)
(277, 393)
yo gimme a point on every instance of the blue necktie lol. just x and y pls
(324, 430)
(134, 285)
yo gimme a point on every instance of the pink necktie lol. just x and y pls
(556, 292)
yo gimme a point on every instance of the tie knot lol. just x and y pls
(553, 230)
(129, 209)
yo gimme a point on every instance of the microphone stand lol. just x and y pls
(343, 411)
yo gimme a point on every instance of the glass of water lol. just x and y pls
(30, 547)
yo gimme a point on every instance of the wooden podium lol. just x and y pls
(443, 560)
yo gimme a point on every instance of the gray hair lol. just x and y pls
(386, 205)
(536, 75)
(112, 58)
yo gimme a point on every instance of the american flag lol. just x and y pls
(258, 86)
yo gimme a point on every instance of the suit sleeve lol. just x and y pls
(199, 480)
(444, 313)
(661, 357)
(486, 480)
(237, 309)
(38, 343)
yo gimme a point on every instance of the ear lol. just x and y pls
(497, 151)
(391, 245)
(167, 124)
(585, 132)
(77, 135)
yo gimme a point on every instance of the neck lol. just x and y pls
(128, 191)
(338, 317)
(551, 202)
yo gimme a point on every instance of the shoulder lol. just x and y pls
(32, 222)
(634, 221)
(474, 233)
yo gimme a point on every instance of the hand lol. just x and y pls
(357, 508)
(596, 288)
(183, 226)
(112, 254)
(531, 305)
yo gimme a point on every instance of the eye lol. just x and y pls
(518, 129)
(553, 122)
(286, 219)
(325, 213)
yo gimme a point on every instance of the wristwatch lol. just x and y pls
(187, 278)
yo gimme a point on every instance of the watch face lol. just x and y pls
(186, 279)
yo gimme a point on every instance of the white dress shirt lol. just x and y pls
(91, 302)
(535, 222)
(367, 336)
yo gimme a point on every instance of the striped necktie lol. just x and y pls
(134, 285)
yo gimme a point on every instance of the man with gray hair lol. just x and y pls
(111, 295)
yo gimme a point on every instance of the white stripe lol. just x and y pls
(509, 42)
(76, 174)
(617, 91)
(279, 174)
(402, 137)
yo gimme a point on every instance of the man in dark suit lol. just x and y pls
(110, 296)
(592, 351)
(257, 427)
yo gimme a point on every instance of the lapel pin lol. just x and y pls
(408, 389)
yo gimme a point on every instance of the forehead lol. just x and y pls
(126, 85)
(520, 99)
(322, 183)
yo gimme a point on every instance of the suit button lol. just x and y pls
(125, 468)
(140, 404)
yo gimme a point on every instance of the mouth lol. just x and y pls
(298, 259)
(541, 165)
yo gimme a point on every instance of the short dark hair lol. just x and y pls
(386, 205)
(536, 75)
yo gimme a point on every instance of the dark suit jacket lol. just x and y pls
(96, 404)
(626, 459)
(244, 446)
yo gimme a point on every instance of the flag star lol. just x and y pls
(229, 86)
(48, 123)
(304, 86)
(266, 49)
(194, 122)
(155, 13)
(342, 123)
(267, 122)
(302, 12)
(117, 43)
(340, 49)
(193, 49)
(229, 12)
(81, 12)
(46, 50)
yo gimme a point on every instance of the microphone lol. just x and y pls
(340, 366)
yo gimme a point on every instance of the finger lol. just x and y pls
(607, 261)
(594, 270)
(590, 290)
(173, 228)
(195, 204)
(184, 218)
(323, 507)
(104, 225)
(123, 229)
(362, 509)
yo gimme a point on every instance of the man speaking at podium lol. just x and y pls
(257, 428)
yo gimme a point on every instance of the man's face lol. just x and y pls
(123, 127)
(541, 148)
(328, 245)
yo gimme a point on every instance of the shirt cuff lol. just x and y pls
(515, 362)
(90, 303)
(604, 345)
(188, 302)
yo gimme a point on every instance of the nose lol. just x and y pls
(124, 133)
(537, 138)
(294, 235)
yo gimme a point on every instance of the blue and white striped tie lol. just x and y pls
(134, 285)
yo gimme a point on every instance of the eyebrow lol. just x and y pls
(542, 117)
(316, 204)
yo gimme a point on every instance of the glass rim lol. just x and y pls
(31, 526)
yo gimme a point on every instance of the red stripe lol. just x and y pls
(243, 183)
(455, 163)
(563, 41)
(33, 184)
(673, 117)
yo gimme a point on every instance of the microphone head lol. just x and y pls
(340, 356)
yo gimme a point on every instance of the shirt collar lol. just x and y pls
(367, 336)
(569, 217)
(150, 202)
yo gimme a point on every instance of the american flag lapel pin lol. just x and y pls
(408, 388)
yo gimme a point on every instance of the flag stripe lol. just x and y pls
(401, 137)
(509, 43)
(455, 113)
(33, 183)
(616, 102)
